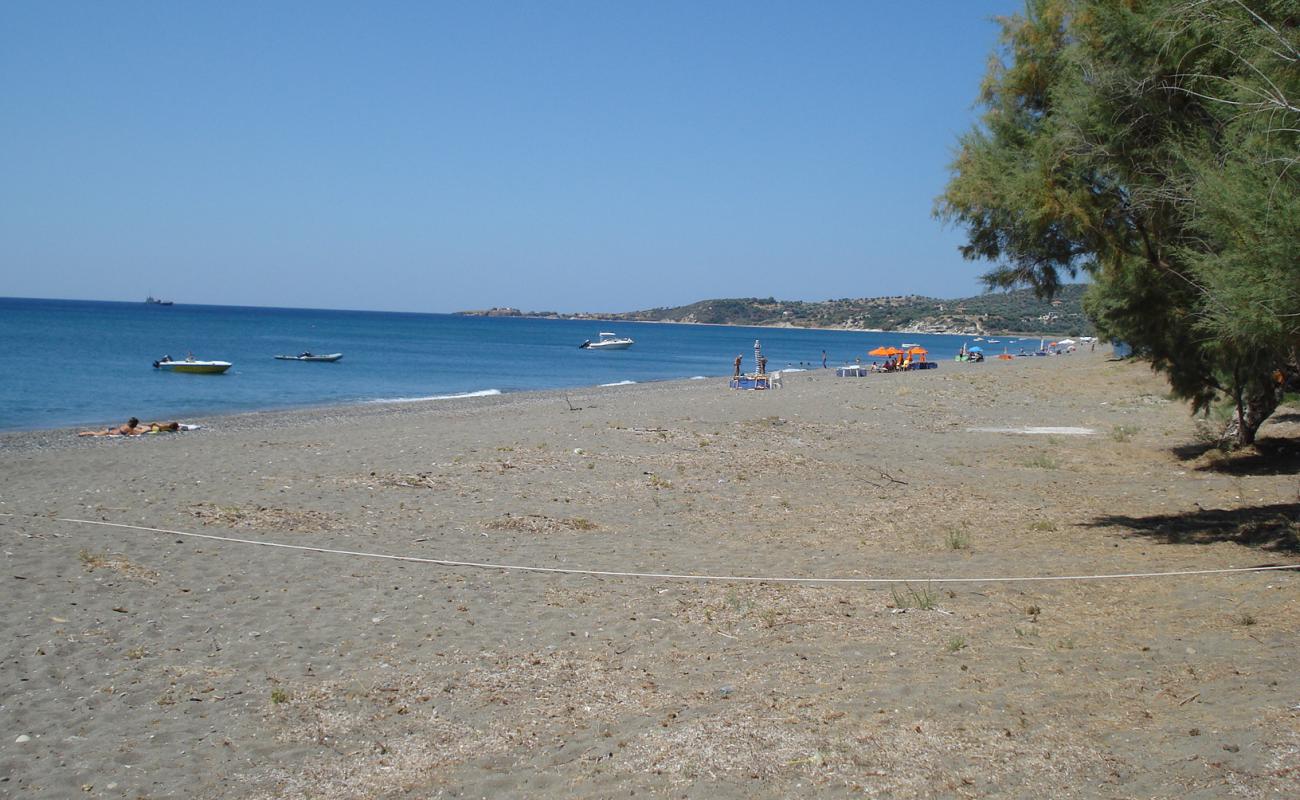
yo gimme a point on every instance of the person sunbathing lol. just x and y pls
(133, 427)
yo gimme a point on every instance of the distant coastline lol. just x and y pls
(1000, 314)
(759, 326)
(615, 318)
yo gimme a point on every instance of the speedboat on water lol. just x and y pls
(311, 357)
(190, 364)
(607, 341)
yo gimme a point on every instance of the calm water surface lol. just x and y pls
(67, 362)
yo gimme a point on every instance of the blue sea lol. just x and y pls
(66, 362)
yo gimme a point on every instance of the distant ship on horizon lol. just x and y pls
(154, 301)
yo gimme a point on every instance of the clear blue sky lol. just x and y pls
(430, 156)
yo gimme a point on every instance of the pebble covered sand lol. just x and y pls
(149, 662)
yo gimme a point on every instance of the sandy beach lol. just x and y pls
(149, 662)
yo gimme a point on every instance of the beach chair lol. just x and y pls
(774, 380)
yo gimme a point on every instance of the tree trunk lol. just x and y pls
(1253, 407)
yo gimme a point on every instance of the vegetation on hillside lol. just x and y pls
(1004, 312)
(1018, 311)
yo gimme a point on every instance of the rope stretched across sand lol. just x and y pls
(670, 575)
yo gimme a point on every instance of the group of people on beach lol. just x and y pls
(892, 364)
(134, 427)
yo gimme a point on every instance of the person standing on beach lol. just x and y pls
(823, 359)
(737, 373)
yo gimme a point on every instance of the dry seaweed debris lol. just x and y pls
(118, 563)
(539, 523)
(736, 743)
(756, 607)
(263, 518)
(374, 765)
(894, 756)
(403, 731)
(401, 480)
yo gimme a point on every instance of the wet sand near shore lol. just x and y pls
(147, 663)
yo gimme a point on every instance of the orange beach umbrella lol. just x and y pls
(885, 351)
(917, 351)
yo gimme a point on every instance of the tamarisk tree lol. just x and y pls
(1152, 145)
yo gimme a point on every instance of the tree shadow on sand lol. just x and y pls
(1192, 450)
(1272, 527)
(1271, 456)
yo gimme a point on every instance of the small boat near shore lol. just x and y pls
(311, 357)
(607, 341)
(192, 365)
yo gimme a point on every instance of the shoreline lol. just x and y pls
(15, 438)
(291, 416)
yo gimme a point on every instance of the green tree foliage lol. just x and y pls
(1152, 144)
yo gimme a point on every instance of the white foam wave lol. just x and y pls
(482, 393)
(619, 383)
(698, 378)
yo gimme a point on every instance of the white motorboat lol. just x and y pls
(190, 364)
(311, 357)
(607, 341)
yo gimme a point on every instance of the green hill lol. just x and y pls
(996, 312)
(1002, 312)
